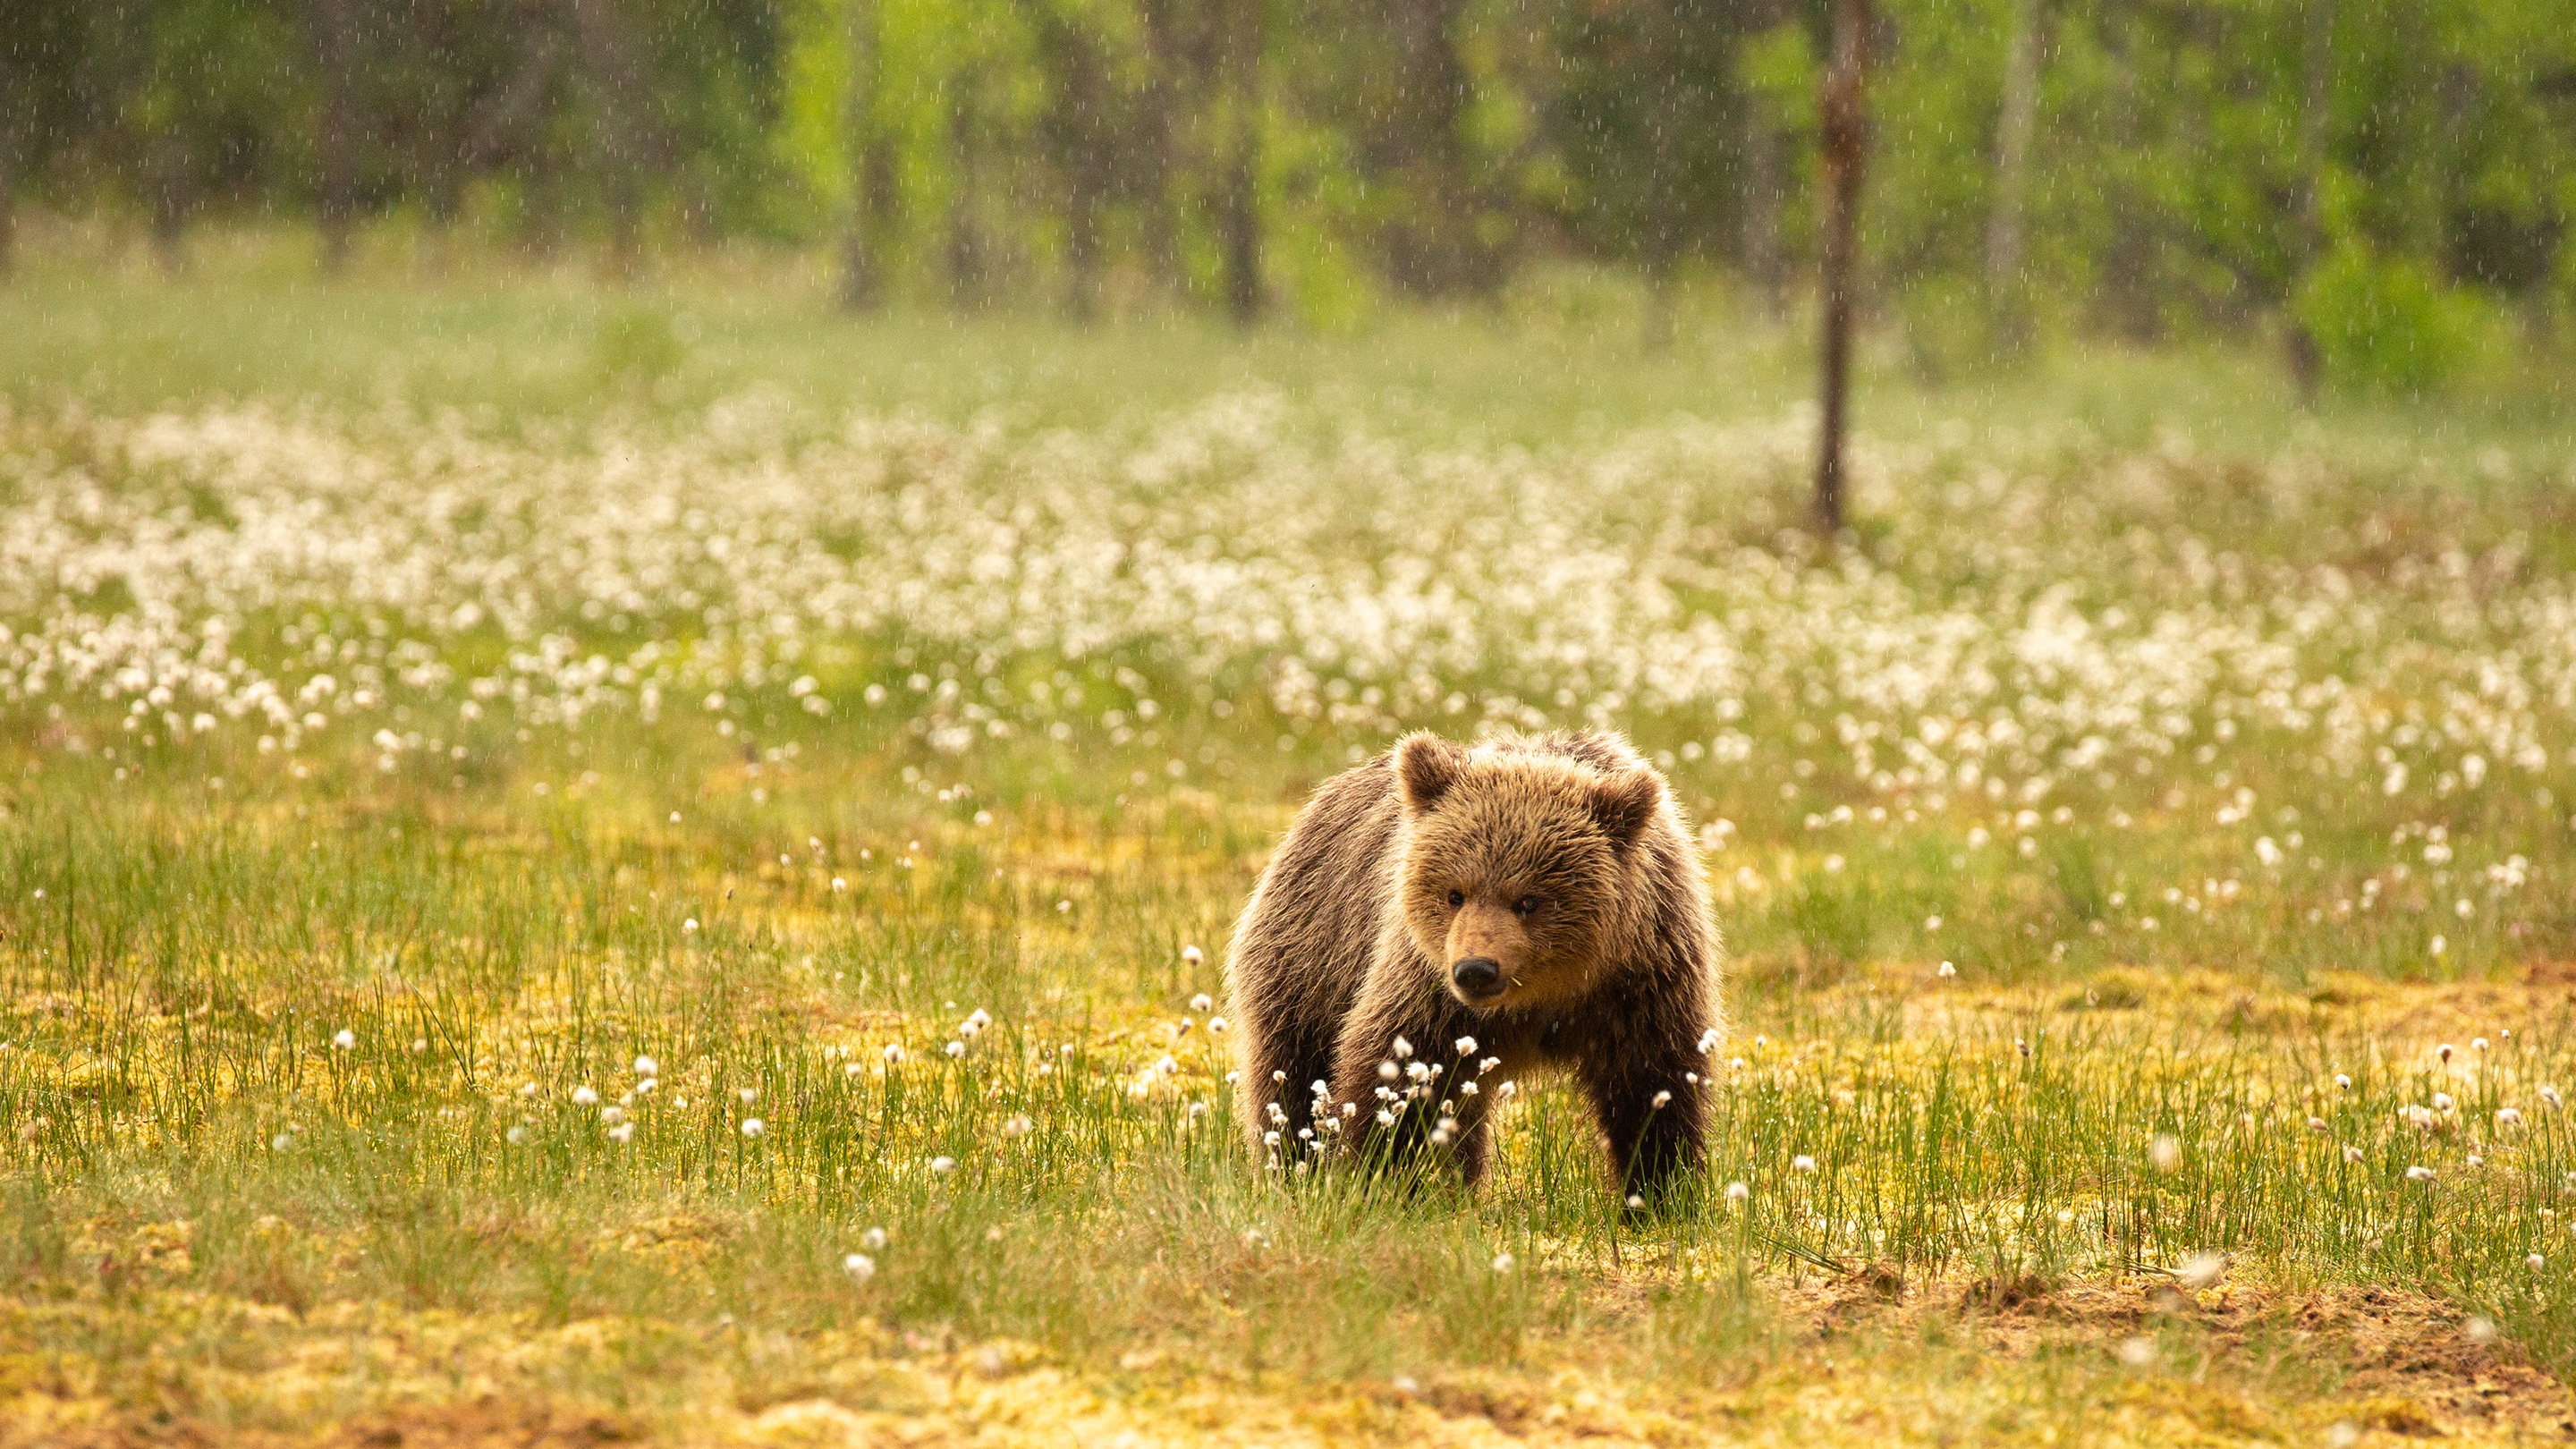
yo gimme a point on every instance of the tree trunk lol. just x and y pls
(2007, 294)
(1761, 240)
(1240, 200)
(1084, 139)
(1762, 148)
(618, 84)
(1662, 242)
(967, 264)
(862, 271)
(1434, 251)
(1843, 141)
(1155, 144)
(2315, 99)
(2130, 291)
(13, 134)
(335, 24)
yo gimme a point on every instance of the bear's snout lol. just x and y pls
(1477, 979)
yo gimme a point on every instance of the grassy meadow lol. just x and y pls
(655, 868)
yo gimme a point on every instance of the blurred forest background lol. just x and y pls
(2379, 188)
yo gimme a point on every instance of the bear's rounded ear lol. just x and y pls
(1623, 803)
(1426, 766)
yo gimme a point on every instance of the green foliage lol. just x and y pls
(2387, 324)
(1424, 147)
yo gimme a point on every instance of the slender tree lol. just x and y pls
(2316, 81)
(1842, 117)
(1156, 123)
(336, 45)
(969, 263)
(862, 271)
(619, 89)
(1759, 243)
(2129, 290)
(1432, 248)
(2007, 294)
(14, 129)
(1239, 200)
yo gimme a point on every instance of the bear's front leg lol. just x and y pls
(1396, 1073)
(1655, 1118)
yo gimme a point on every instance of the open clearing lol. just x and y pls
(680, 914)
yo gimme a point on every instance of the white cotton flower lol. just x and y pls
(1017, 1126)
(893, 1054)
(1216, 1026)
(647, 1067)
(2508, 1117)
(1504, 1262)
(859, 1266)
(689, 926)
(345, 1040)
(943, 1165)
(753, 1127)
(1201, 1002)
(622, 1132)
(2164, 1152)
(1802, 1163)
(1466, 1046)
(1192, 956)
(583, 1096)
(2202, 1270)
(874, 1240)
(1402, 1049)
(2419, 1174)
(955, 1049)
(1662, 1100)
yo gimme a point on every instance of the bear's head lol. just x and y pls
(1518, 873)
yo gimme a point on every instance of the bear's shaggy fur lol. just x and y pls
(1561, 870)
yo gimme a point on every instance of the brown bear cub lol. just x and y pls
(1445, 919)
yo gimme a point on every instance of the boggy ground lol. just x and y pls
(1862, 1359)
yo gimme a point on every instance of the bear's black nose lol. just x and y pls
(1477, 976)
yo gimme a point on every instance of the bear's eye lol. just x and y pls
(1457, 898)
(1526, 904)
